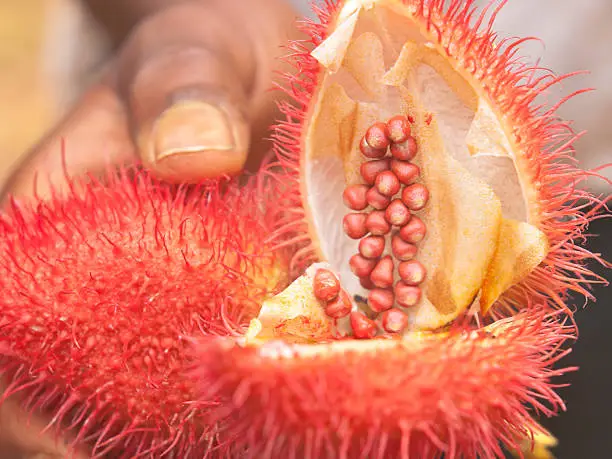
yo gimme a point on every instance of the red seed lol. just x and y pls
(387, 183)
(377, 224)
(355, 197)
(326, 285)
(394, 321)
(355, 225)
(371, 152)
(377, 200)
(372, 246)
(380, 300)
(377, 136)
(405, 151)
(398, 128)
(407, 295)
(402, 250)
(382, 274)
(406, 172)
(370, 169)
(412, 272)
(363, 328)
(415, 196)
(414, 231)
(367, 283)
(340, 307)
(397, 214)
(361, 266)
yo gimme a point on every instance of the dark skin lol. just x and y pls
(186, 93)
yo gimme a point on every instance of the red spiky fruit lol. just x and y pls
(496, 227)
(491, 158)
(103, 292)
(462, 394)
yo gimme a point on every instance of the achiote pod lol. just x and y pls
(414, 105)
(103, 292)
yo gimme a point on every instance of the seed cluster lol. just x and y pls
(327, 290)
(338, 305)
(384, 207)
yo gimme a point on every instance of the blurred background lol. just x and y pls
(50, 49)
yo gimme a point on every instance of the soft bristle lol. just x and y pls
(102, 291)
(562, 210)
(463, 395)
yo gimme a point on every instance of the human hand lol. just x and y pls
(187, 94)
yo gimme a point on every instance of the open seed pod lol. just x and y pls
(104, 290)
(421, 171)
(496, 217)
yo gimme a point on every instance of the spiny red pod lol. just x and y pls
(375, 386)
(472, 190)
(103, 292)
(496, 231)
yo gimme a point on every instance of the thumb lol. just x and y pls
(186, 76)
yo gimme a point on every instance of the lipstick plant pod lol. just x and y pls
(422, 169)
(102, 291)
(413, 114)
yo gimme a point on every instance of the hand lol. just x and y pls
(188, 95)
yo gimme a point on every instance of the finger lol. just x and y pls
(94, 134)
(183, 75)
(192, 80)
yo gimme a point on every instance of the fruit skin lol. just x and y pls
(397, 401)
(543, 143)
(558, 206)
(103, 293)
